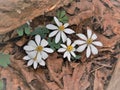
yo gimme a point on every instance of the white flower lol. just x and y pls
(69, 49)
(88, 42)
(60, 30)
(37, 50)
(34, 60)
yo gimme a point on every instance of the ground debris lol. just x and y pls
(102, 16)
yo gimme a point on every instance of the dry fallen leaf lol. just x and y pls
(58, 74)
(98, 85)
(21, 42)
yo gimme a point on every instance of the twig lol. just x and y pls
(101, 66)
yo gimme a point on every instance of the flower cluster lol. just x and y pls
(37, 50)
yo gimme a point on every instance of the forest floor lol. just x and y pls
(99, 72)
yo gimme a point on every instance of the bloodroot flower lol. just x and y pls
(60, 30)
(34, 60)
(37, 51)
(88, 42)
(68, 50)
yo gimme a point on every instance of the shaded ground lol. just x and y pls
(95, 73)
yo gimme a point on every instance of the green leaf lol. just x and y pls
(24, 29)
(42, 31)
(54, 45)
(61, 15)
(36, 31)
(65, 19)
(27, 30)
(20, 32)
(1, 85)
(58, 13)
(51, 44)
(4, 60)
(76, 58)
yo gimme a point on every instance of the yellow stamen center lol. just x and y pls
(39, 48)
(61, 28)
(69, 48)
(89, 41)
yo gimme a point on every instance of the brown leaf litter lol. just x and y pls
(94, 73)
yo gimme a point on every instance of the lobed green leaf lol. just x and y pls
(1, 85)
(61, 15)
(76, 58)
(42, 31)
(24, 29)
(4, 60)
(53, 45)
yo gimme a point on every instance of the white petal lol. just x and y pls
(94, 37)
(88, 52)
(69, 57)
(67, 54)
(48, 50)
(68, 42)
(82, 36)
(32, 54)
(79, 42)
(81, 48)
(69, 31)
(44, 55)
(51, 27)
(89, 33)
(57, 21)
(39, 56)
(44, 43)
(28, 48)
(66, 25)
(64, 37)
(73, 54)
(97, 43)
(26, 58)
(64, 46)
(94, 49)
(53, 33)
(37, 39)
(32, 43)
(61, 50)
(30, 63)
(42, 63)
(57, 38)
(38, 60)
(35, 64)
(73, 44)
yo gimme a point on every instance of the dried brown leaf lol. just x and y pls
(98, 85)
(115, 80)
(21, 42)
